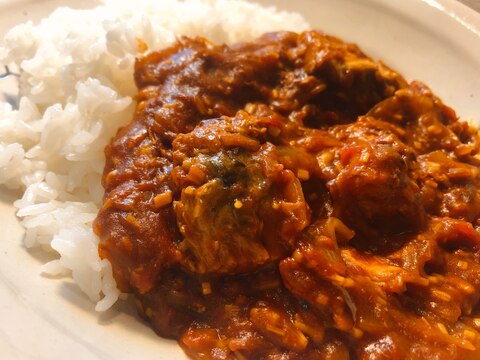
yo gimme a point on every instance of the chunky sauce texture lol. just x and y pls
(290, 198)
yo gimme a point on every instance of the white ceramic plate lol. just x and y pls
(435, 41)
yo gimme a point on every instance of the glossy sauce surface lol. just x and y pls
(290, 198)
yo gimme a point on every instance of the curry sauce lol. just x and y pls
(291, 198)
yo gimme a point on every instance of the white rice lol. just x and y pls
(77, 85)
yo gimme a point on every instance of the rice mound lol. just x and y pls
(76, 87)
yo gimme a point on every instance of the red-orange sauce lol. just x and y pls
(290, 198)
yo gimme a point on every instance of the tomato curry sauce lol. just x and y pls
(290, 198)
